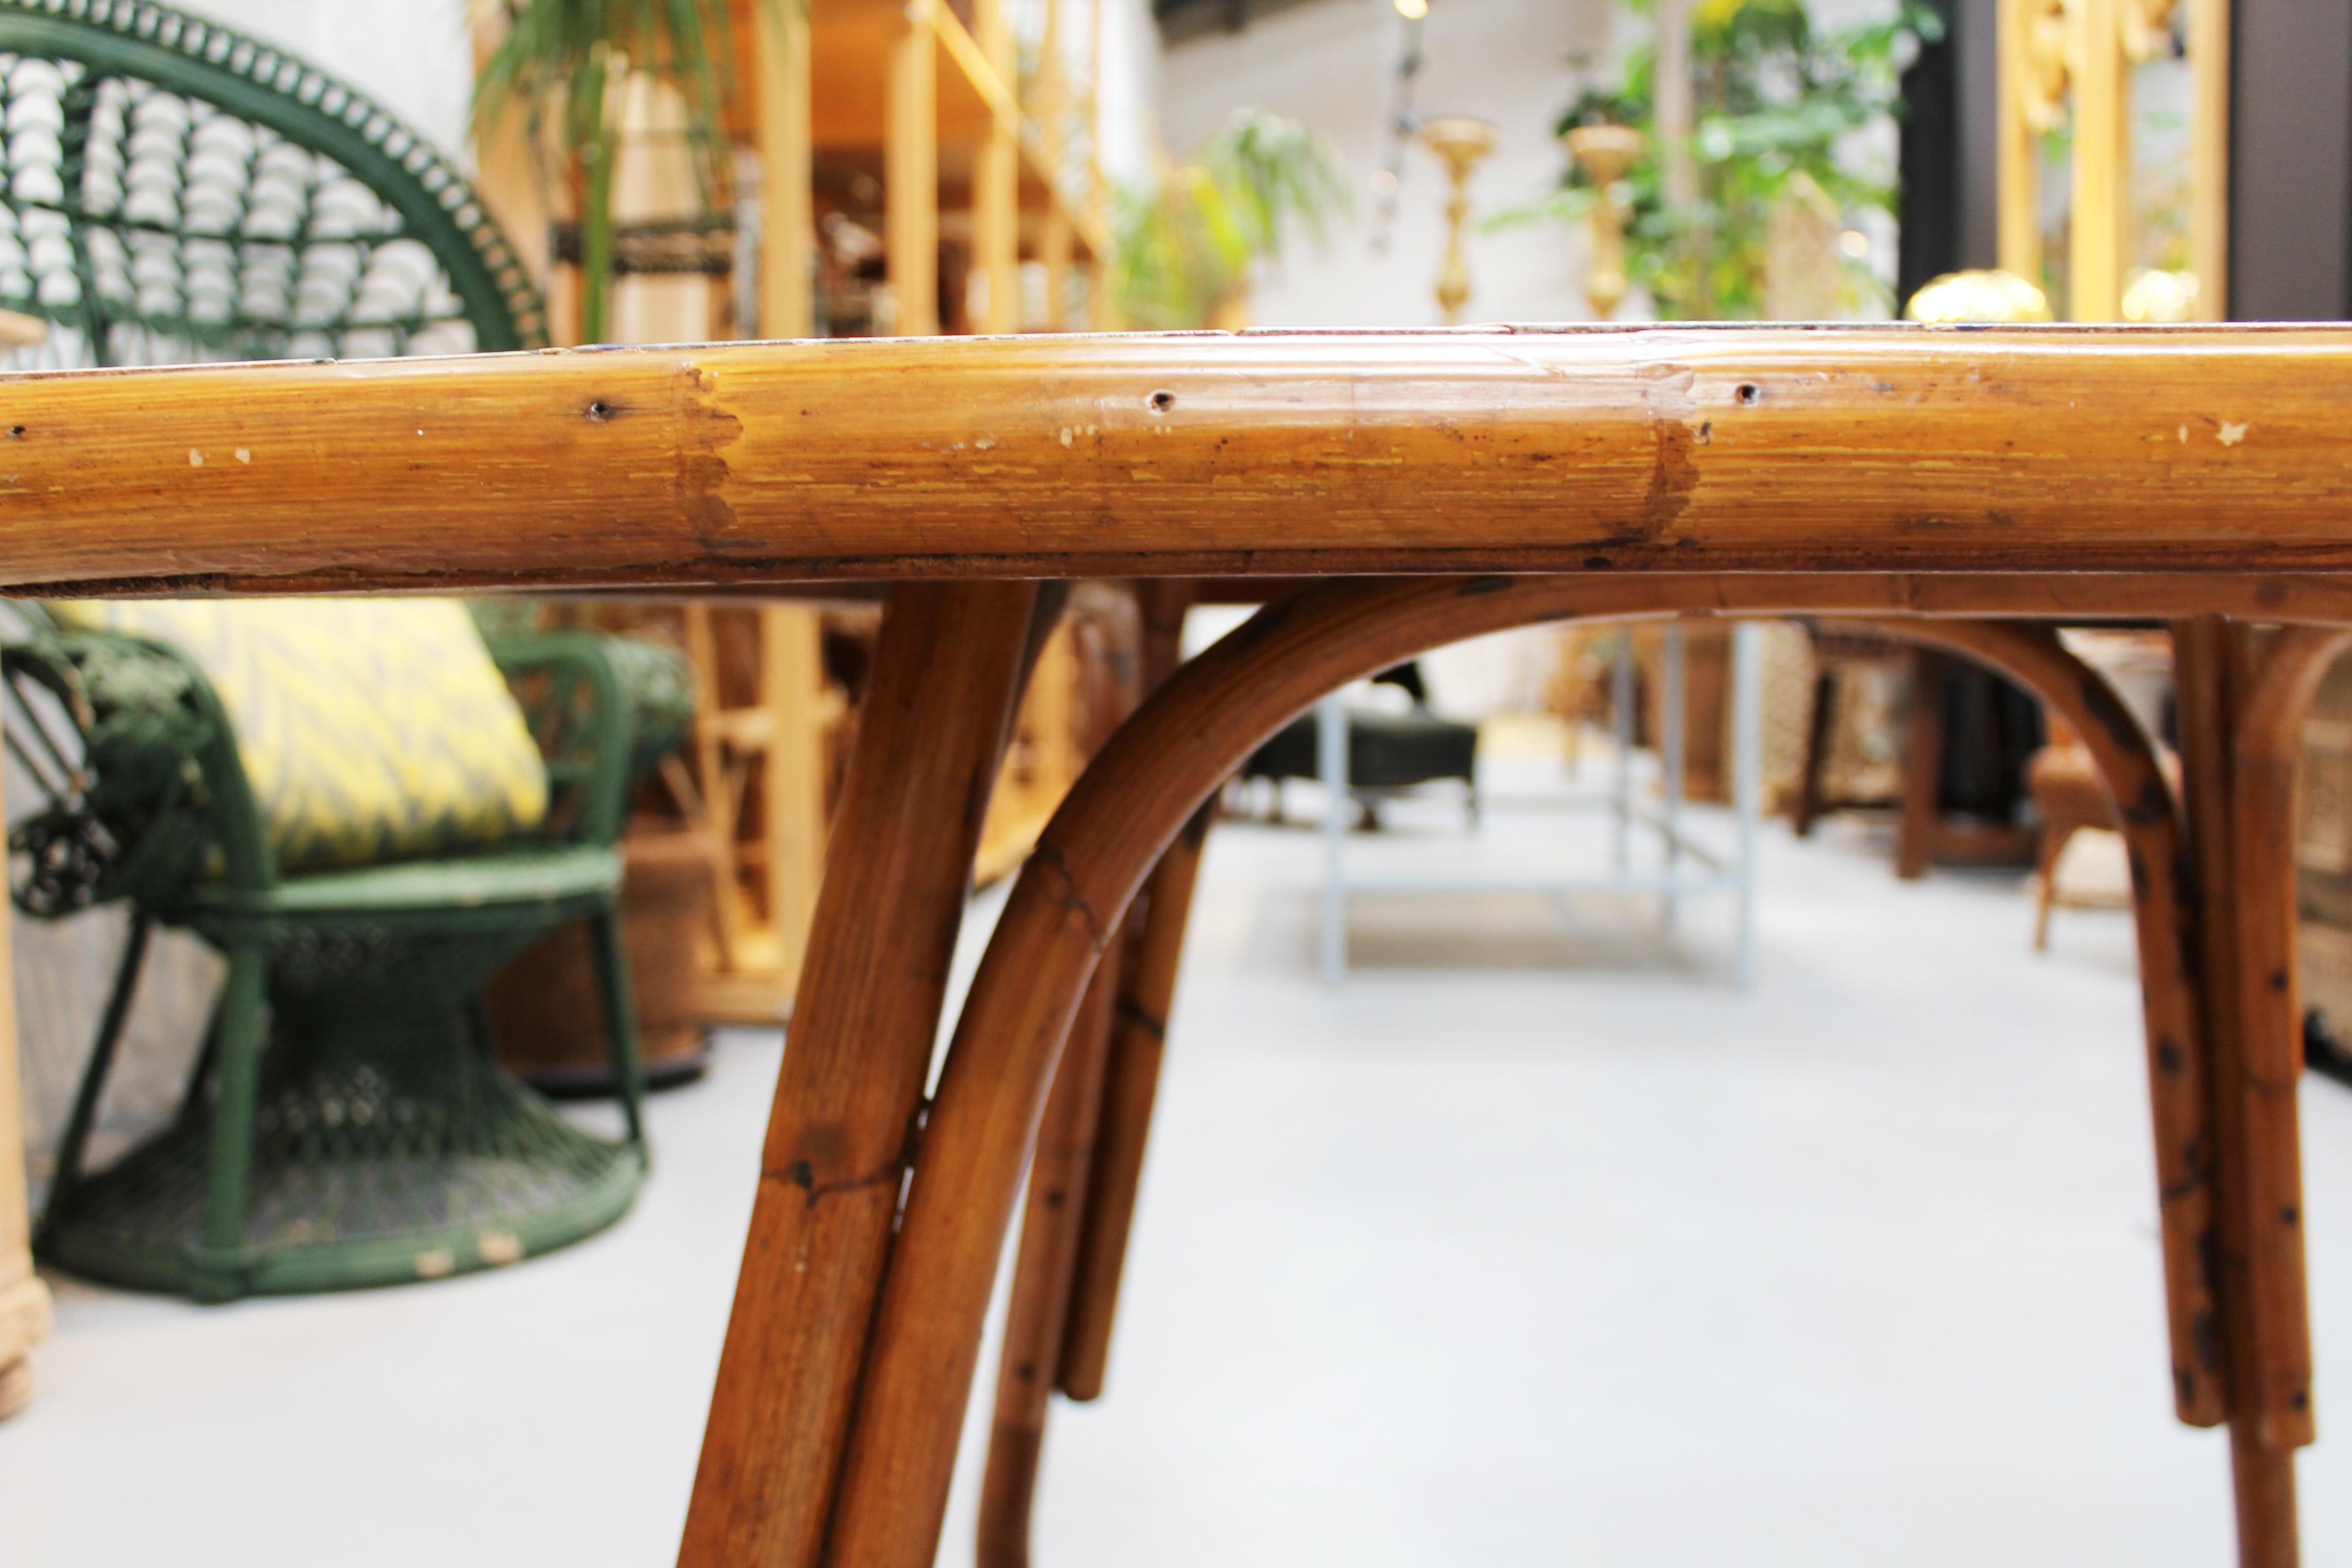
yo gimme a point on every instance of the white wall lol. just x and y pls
(1331, 63)
(414, 57)
(1127, 94)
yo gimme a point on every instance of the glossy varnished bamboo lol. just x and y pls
(1137, 1041)
(1068, 901)
(937, 706)
(2212, 672)
(2266, 746)
(1043, 1266)
(1138, 1045)
(2058, 449)
(2180, 1070)
(1090, 1152)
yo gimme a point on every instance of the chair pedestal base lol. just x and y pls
(375, 1141)
(360, 1177)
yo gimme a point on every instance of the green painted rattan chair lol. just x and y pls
(177, 193)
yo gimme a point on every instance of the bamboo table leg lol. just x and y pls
(1922, 765)
(938, 706)
(1062, 916)
(2238, 722)
(1046, 1260)
(1095, 1095)
(2179, 1059)
(1139, 1041)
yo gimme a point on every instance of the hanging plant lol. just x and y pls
(1187, 243)
(566, 64)
(1778, 100)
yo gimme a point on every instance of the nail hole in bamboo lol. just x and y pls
(1162, 402)
(1749, 393)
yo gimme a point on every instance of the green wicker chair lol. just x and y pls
(177, 193)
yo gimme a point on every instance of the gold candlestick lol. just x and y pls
(1605, 153)
(1462, 141)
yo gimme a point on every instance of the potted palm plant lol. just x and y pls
(1187, 242)
(1779, 97)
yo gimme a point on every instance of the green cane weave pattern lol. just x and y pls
(177, 193)
(387, 1145)
(173, 192)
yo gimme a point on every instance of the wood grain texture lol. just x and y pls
(1069, 900)
(939, 700)
(1108, 1072)
(1130, 1090)
(2056, 449)
(2213, 673)
(1043, 1266)
(2268, 745)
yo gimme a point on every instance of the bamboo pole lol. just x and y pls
(2209, 155)
(2178, 1042)
(1069, 900)
(793, 782)
(786, 141)
(2265, 747)
(1102, 302)
(2057, 450)
(937, 706)
(1054, 248)
(1139, 1043)
(1044, 1263)
(2212, 674)
(910, 175)
(995, 186)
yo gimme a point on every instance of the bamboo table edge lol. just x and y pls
(2058, 472)
(1897, 448)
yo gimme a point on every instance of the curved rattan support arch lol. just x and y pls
(264, 84)
(1070, 897)
(2180, 1090)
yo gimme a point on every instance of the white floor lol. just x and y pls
(1601, 1261)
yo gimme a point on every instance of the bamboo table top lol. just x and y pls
(1888, 449)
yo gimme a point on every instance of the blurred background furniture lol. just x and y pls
(347, 802)
(177, 193)
(1389, 750)
(24, 1299)
(1404, 750)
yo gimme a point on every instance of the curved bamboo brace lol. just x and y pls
(2179, 1094)
(1065, 907)
(2262, 806)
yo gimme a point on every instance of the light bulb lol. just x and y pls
(1413, 10)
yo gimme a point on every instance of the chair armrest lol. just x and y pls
(141, 791)
(605, 709)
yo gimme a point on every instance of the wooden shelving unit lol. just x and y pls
(915, 126)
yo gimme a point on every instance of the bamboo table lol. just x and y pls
(1957, 487)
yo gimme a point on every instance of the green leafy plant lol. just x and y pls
(1187, 241)
(1778, 100)
(565, 62)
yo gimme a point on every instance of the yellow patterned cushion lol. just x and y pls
(370, 729)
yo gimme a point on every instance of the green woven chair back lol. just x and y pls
(177, 193)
